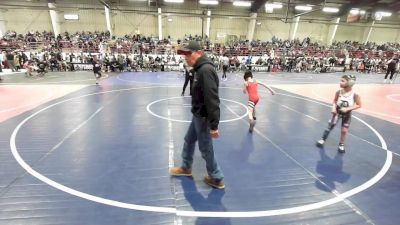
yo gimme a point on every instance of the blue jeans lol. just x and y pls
(199, 131)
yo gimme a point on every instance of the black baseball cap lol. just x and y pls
(192, 46)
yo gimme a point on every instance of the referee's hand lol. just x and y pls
(214, 133)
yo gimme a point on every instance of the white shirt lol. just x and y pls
(225, 61)
(345, 101)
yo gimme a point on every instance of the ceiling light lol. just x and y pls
(242, 3)
(174, 1)
(357, 11)
(269, 7)
(275, 5)
(208, 2)
(71, 16)
(330, 10)
(384, 14)
(269, 10)
(354, 11)
(303, 8)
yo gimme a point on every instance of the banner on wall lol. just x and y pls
(353, 18)
(221, 35)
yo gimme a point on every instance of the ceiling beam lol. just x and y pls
(395, 6)
(257, 4)
(104, 3)
(345, 8)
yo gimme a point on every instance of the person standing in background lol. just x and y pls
(189, 76)
(225, 66)
(392, 65)
(1, 61)
(10, 60)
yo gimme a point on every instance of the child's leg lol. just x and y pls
(98, 76)
(331, 125)
(250, 109)
(327, 131)
(346, 119)
(343, 134)
(252, 122)
(251, 113)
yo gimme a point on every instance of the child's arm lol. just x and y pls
(357, 105)
(267, 87)
(334, 111)
(244, 87)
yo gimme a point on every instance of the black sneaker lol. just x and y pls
(341, 148)
(320, 143)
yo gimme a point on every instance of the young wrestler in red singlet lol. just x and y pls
(250, 87)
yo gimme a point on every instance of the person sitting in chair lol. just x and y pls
(42, 68)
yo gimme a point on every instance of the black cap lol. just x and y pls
(192, 46)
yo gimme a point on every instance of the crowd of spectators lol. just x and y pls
(93, 42)
(138, 52)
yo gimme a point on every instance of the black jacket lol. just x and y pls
(205, 99)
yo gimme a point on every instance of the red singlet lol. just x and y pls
(252, 92)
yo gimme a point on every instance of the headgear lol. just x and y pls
(351, 80)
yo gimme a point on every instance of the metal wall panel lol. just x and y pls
(270, 28)
(134, 23)
(24, 20)
(228, 26)
(315, 31)
(353, 33)
(181, 25)
(382, 35)
(89, 20)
